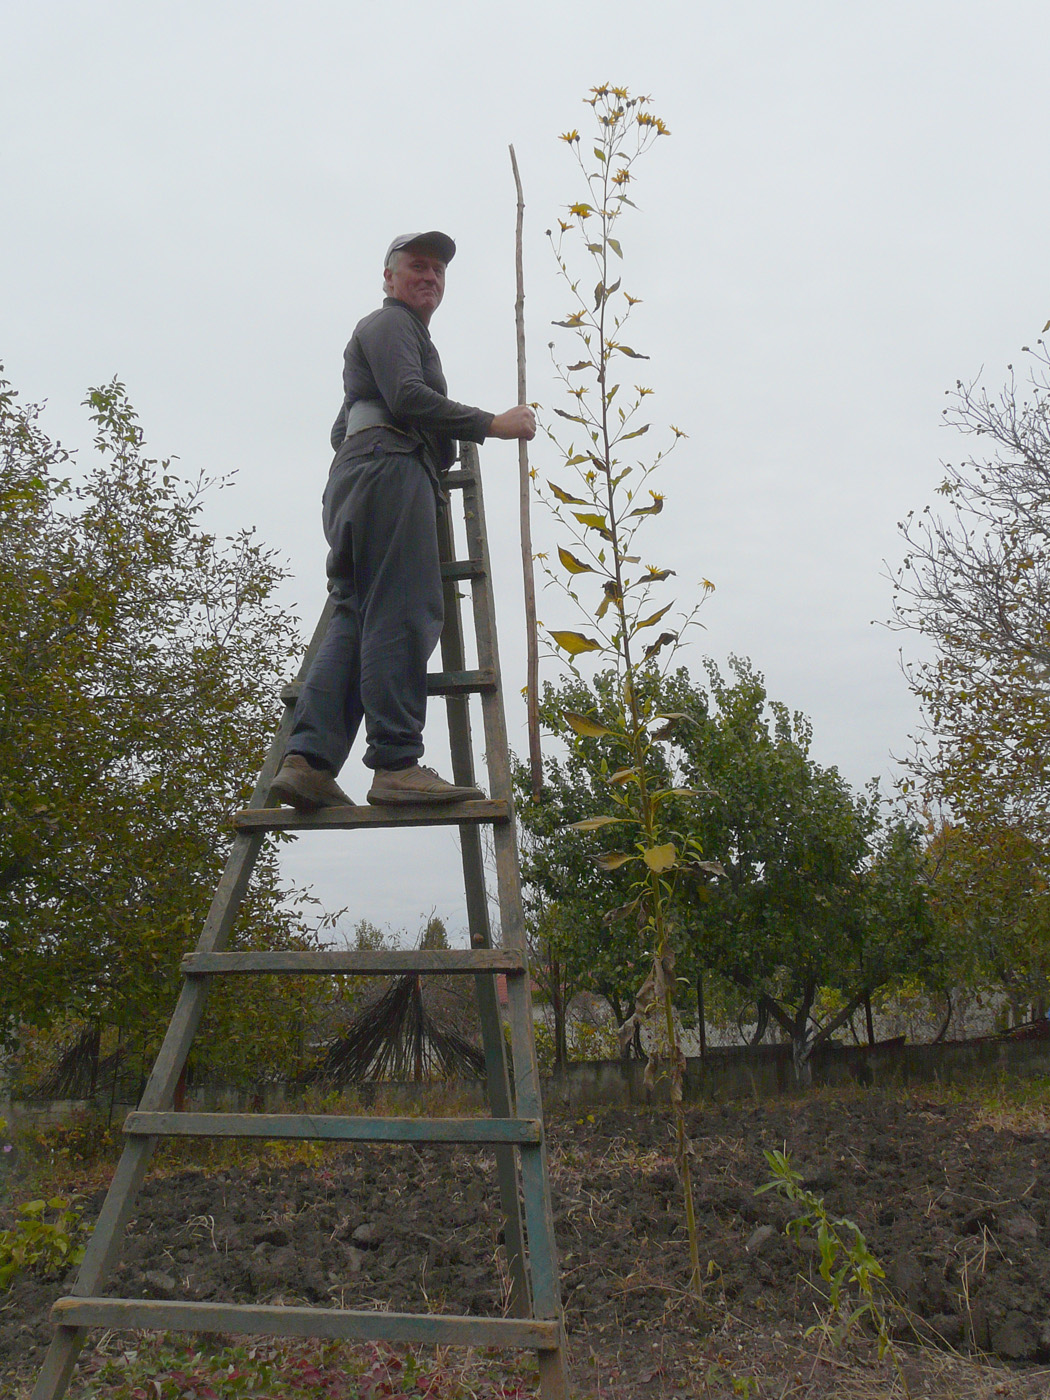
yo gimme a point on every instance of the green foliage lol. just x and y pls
(138, 688)
(813, 892)
(990, 893)
(44, 1240)
(854, 1277)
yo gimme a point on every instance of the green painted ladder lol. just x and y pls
(514, 1127)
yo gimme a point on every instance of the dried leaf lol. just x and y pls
(710, 867)
(660, 858)
(593, 823)
(572, 417)
(663, 640)
(656, 507)
(580, 364)
(620, 912)
(612, 860)
(637, 433)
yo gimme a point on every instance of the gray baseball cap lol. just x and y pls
(439, 243)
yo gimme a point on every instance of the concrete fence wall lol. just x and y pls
(725, 1074)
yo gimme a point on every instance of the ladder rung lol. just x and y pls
(463, 568)
(334, 1323)
(438, 683)
(350, 818)
(458, 479)
(380, 963)
(332, 1127)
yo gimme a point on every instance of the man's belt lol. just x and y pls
(368, 413)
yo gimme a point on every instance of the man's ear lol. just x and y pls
(388, 278)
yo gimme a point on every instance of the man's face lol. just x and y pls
(418, 279)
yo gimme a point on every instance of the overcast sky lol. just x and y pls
(851, 214)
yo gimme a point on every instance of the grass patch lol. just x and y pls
(147, 1366)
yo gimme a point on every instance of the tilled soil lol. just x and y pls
(958, 1213)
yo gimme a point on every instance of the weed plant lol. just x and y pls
(603, 501)
(855, 1279)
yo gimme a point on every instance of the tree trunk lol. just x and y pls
(801, 1048)
(868, 1020)
(761, 1023)
(946, 1022)
(700, 1014)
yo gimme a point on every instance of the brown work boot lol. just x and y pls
(395, 787)
(306, 788)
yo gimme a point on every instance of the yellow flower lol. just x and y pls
(583, 211)
(569, 136)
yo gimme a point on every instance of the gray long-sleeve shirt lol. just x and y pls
(392, 359)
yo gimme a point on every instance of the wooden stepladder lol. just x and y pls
(514, 1127)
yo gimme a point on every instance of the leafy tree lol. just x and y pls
(976, 584)
(141, 659)
(991, 894)
(811, 890)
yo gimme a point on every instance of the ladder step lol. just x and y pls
(331, 1127)
(438, 683)
(335, 1323)
(381, 963)
(463, 568)
(456, 480)
(350, 818)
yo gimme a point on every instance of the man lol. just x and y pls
(394, 438)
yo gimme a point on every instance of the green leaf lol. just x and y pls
(564, 496)
(575, 642)
(637, 433)
(626, 350)
(585, 726)
(590, 519)
(574, 565)
(614, 243)
(595, 823)
(648, 621)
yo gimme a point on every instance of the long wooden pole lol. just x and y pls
(532, 675)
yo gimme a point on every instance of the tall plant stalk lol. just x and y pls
(603, 516)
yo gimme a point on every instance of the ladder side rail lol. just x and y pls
(539, 1217)
(107, 1237)
(497, 1079)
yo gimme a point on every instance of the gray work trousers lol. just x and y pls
(380, 520)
